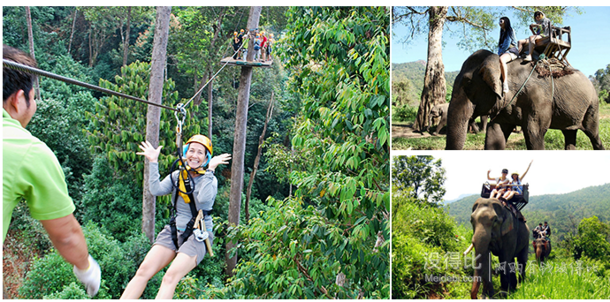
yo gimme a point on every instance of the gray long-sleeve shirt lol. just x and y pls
(206, 187)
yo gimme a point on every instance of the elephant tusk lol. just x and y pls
(468, 249)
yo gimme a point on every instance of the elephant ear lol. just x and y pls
(490, 73)
(507, 224)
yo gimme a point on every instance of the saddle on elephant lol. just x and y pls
(515, 204)
(519, 200)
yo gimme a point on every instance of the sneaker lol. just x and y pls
(528, 58)
(505, 87)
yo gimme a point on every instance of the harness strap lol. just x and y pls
(194, 214)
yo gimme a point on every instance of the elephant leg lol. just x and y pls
(522, 262)
(497, 136)
(484, 119)
(533, 133)
(570, 139)
(591, 129)
(440, 126)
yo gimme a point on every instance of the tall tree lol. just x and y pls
(261, 139)
(154, 115)
(239, 143)
(476, 24)
(126, 38)
(28, 17)
(433, 19)
(321, 242)
(420, 177)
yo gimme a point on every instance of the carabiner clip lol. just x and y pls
(180, 109)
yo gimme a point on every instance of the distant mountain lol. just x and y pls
(458, 198)
(562, 211)
(412, 74)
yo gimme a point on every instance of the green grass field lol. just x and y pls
(553, 139)
(564, 279)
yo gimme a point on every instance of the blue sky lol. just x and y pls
(590, 43)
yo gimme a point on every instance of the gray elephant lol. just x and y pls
(572, 105)
(439, 110)
(542, 248)
(496, 230)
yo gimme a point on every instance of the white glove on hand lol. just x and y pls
(91, 277)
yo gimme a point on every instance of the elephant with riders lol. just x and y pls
(567, 102)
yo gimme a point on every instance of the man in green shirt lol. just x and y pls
(31, 172)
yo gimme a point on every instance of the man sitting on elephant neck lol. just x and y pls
(501, 183)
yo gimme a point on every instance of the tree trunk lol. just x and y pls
(257, 159)
(239, 143)
(28, 17)
(153, 116)
(210, 101)
(127, 33)
(72, 32)
(435, 90)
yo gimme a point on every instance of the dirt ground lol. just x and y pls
(407, 131)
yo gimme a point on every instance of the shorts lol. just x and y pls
(191, 247)
(512, 52)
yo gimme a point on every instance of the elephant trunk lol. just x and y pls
(482, 271)
(458, 115)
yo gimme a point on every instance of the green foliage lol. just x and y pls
(341, 204)
(72, 291)
(47, 276)
(31, 233)
(113, 203)
(564, 279)
(421, 233)
(295, 253)
(119, 123)
(592, 240)
(52, 276)
(419, 177)
(404, 113)
(408, 82)
(601, 81)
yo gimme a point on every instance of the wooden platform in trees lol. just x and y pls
(231, 61)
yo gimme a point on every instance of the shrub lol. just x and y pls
(52, 276)
(113, 203)
(404, 113)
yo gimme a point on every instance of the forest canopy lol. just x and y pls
(320, 197)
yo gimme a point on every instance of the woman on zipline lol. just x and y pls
(186, 253)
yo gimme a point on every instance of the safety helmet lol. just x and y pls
(235, 33)
(201, 139)
(241, 30)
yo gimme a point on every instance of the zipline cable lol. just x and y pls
(32, 70)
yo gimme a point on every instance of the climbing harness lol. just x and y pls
(184, 186)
